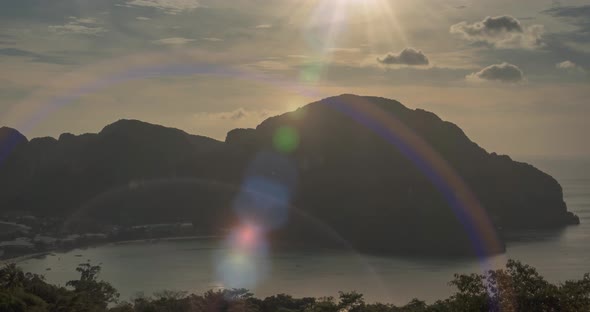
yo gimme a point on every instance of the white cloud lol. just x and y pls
(263, 26)
(213, 39)
(168, 6)
(503, 32)
(570, 67)
(238, 116)
(143, 18)
(80, 26)
(173, 41)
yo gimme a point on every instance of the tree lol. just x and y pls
(517, 287)
(10, 303)
(351, 301)
(11, 276)
(91, 292)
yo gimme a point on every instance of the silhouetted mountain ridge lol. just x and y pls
(346, 162)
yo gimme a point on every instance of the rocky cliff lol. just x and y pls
(363, 171)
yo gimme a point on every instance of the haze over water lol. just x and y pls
(192, 265)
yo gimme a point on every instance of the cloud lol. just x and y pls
(173, 41)
(168, 6)
(237, 115)
(35, 57)
(79, 26)
(504, 72)
(566, 65)
(213, 39)
(72, 28)
(142, 18)
(263, 26)
(579, 16)
(84, 20)
(270, 65)
(7, 39)
(345, 50)
(408, 56)
(569, 66)
(17, 52)
(503, 32)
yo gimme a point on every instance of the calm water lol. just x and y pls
(197, 265)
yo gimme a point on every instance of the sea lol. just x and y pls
(196, 265)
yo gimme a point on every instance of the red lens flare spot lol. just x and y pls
(247, 235)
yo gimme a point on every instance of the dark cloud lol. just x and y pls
(572, 44)
(576, 15)
(408, 56)
(167, 6)
(35, 57)
(50, 11)
(7, 39)
(239, 114)
(580, 14)
(504, 72)
(501, 31)
(501, 23)
(490, 26)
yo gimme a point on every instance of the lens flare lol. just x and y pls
(244, 261)
(286, 140)
(247, 236)
(263, 200)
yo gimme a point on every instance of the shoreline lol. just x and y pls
(43, 254)
(26, 257)
(512, 237)
(171, 238)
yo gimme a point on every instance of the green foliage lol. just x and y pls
(29, 292)
(89, 291)
(517, 287)
(11, 303)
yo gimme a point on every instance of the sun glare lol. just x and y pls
(334, 24)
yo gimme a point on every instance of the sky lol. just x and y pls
(514, 75)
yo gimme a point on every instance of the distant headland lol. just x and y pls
(364, 172)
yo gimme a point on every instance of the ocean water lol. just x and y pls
(198, 265)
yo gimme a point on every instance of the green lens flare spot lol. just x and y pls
(286, 139)
(311, 73)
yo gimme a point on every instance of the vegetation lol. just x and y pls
(364, 180)
(517, 287)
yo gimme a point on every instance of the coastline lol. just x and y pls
(171, 238)
(43, 254)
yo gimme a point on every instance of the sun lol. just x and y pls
(375, 18)
(360, 2)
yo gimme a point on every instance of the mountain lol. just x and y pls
(365, 172)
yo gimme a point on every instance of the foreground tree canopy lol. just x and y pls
(517, 287)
